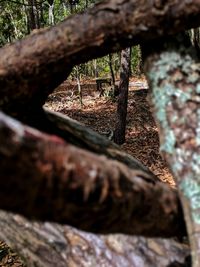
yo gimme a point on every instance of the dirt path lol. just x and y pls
(99, 114)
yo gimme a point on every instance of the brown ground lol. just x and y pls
(99, 114)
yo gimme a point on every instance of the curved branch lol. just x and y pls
(44, 177)
(31, 68)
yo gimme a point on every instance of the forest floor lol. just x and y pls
(99, 113)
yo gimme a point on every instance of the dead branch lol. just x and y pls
(80, 135)
(44, 177)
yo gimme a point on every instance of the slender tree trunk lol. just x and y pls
(37, 13)
(79, 86)
(51, 13)
(195, 38)
(41, 14)
(111, 70)
(31, 16)
(72, 6)
(120, 128)
(96, 74)
(26, 16)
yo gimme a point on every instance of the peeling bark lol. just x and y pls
(50, 245)
(31, 68)
(53, 180)
(174, 76)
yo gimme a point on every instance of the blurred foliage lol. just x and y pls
(136, 60)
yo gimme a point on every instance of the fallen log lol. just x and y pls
(50, 245)
(46, 178)
(78, 134)
(173, 70)
(31, 68)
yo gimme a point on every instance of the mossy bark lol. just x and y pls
(174, 77)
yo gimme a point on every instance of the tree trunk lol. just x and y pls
(120, 128)
(51, 15)
(33, 15)
(50, 245)
(79, 86)
(174, 76)
(95, 72)
(195, 38)
(25, 65)
(111, 70)
(69, 185)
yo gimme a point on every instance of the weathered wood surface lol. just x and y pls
(44, 177)
(31, 68)
(174, 75)
(50, 245)
(78, 134)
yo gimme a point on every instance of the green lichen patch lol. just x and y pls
(191, 190)
(169, 143)
(190, 187)
(175, 82)
(194, 77)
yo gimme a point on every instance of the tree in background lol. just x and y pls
(18, 18)
(195, 38)
(120, 128)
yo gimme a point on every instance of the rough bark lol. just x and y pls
(52, 180)
(120, 128)
(31, 68)
(50, 245)
(174, 75)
